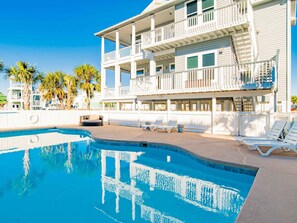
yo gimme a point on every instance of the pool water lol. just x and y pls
(56, 175)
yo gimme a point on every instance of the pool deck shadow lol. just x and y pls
(273, 195)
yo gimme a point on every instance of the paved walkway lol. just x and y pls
(273, 195)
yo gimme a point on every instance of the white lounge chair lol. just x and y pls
(275, 133)
(172, 124)
(153, 126)
(289, 143)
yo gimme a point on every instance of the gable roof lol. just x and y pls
(155, 4)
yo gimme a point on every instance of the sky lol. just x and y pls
(59, 34)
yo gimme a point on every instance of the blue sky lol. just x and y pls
(58, 35)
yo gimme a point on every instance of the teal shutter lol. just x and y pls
(192, 62)
(208, 60)
(192, 7)
(207, 4)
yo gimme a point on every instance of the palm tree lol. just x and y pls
(1, 66)
(52, 86)
(89, 78)
(71, 85)
(24, 73)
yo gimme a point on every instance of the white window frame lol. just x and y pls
(140, 75)
(199, 11)
(160, 65)
(138, 41)
(170, 70)
(200, 59)
(186, 3)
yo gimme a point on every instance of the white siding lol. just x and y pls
(179, 12)
(180, 8)
(165, 64)
(225, 58)
(270, 21)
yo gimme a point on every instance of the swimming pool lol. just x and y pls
(58, 175)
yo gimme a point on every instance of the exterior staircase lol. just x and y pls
(243, 47)
(244, 104)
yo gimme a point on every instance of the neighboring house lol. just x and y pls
(80, 101)
(191, 55)
(3, 99)
(16, 101)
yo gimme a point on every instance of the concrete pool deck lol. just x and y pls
(273, 195)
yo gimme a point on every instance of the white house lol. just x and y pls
(202, 55)
(15, 97)
(80, 101)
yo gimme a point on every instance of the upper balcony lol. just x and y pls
(250, 76)
(124, 54)
(210, 24)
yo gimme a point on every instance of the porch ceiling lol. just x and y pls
(142, 25)
(175, 43)
(238, 93)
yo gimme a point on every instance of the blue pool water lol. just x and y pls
(54, 175)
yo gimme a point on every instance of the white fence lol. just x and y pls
(229, 123)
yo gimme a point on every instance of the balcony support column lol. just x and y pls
(133, 70)
(153, 28)
(117, 44)
(153, 72)
(213, 114)
(133, 39)
(117, 80)
(102, 49)
(103, 81)
(272, 104)
(139, 103)
(168, 109)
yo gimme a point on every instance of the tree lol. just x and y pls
(52, 87)
(89, 80)
(294, 100)
(24, 73)
(1, 66)
(71, 85)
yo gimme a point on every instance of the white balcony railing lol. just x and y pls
(112, 92)
(122, 53)
(250, 76)
(228, 16)
(15, 97)
(125, 90)
(109, 92)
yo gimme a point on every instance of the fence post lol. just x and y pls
(213, 114)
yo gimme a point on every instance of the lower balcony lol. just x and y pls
(249, 76)
(122, 93)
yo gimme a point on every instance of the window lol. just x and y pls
(138, 39)
(208, 60)
(159, 69)
(192, 12)
(140, 72)
(192, 8)
(192, 62)
(207, 10)
(172, 67)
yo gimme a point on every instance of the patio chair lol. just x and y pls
(171, 125)
(153, 126)
(289, 143)
(275, 133)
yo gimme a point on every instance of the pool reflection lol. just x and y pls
(144, 181)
